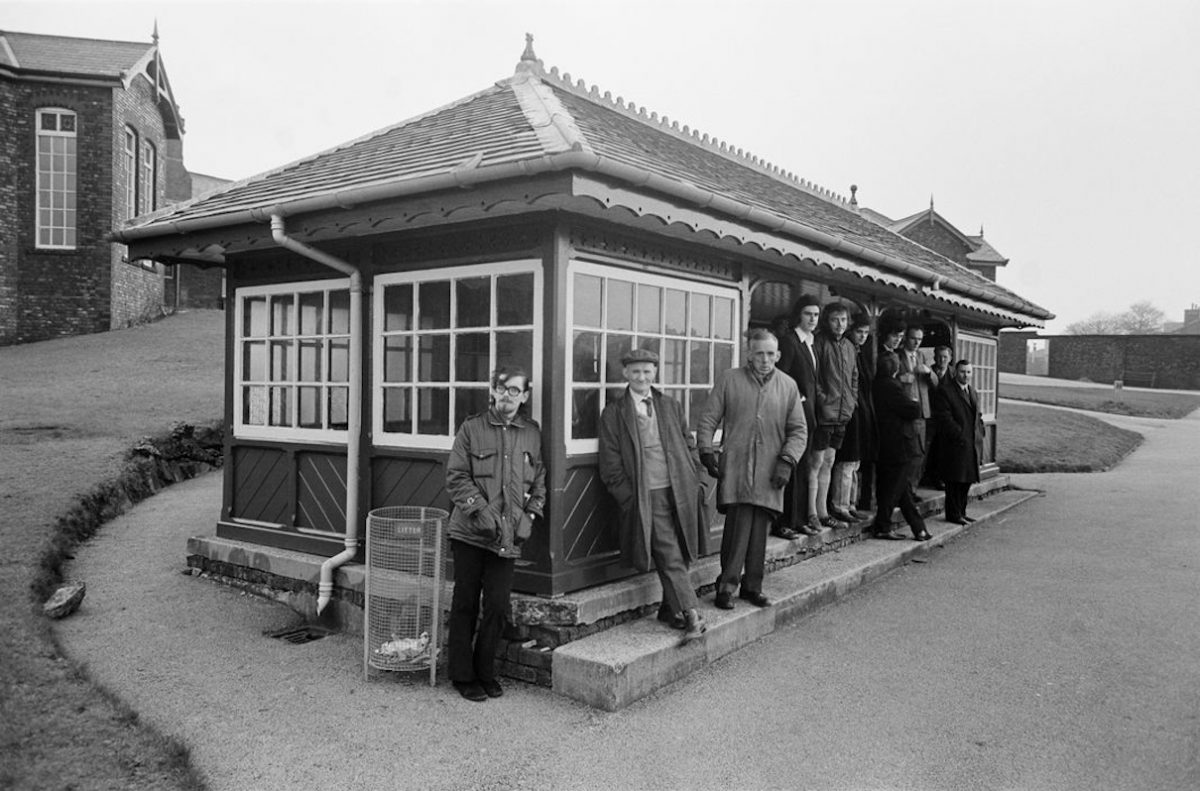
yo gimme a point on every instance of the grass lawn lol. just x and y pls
(69, 411)
(1040, 439)
(1139, 403)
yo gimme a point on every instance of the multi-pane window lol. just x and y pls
(692, 326)
(293, 361)
(129, 163)
(439, 335)
(146, 193)
(981, 352)
(56, 172)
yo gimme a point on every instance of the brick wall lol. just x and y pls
(1010, 358)
(9, 242)
(1174, 359)
(63, 292)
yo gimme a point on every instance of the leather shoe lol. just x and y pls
(921, 535)
(723, 600)
(471, 690)
(674, 620)
(843, 516)
(785, 533)
(887, 535)
(696, 626)
(808, 531)
(492, 688)
(958, 521)
(757, 598)
(968, 518)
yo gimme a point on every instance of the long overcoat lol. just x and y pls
(895, 415)
(960, 432)
(763, 421)
(623, 473)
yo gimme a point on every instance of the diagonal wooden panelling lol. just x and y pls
(408, 482)
(587, 522)
(261, 485)
(321, 492)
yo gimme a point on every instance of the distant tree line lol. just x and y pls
(1142, 318)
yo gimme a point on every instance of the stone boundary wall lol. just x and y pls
(1172, 360)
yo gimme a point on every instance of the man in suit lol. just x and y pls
(649, 464)
(942, 357)
(797, 360)
(918, 379)
(960, 427)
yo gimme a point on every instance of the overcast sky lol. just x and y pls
(1067, 130)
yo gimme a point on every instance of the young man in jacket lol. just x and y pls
(837, 398)
(763, 436)
(649, 464)
(798, 360)
(895, 414)
(497, 483)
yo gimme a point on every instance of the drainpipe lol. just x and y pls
(354, 428)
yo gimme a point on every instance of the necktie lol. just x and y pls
(649, 411)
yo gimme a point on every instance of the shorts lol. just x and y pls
(828, 437)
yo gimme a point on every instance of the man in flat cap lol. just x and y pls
(649, 464)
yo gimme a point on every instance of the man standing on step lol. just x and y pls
(797, 360)
(763, 436)
(918, 379)
(960, 429)
(649, 464)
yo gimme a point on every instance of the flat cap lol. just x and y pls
(639, 356)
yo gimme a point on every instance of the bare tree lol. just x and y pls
(1142, 318)
(1096, 324)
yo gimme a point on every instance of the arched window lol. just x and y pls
(56, 173)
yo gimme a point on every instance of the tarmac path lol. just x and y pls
(1055, 647)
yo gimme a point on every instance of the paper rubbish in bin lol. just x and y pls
(407, 649)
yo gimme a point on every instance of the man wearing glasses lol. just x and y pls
(497, 483)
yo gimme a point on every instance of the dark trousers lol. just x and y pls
(891, 489)
(744, 545)
(918, 462)
(666, 541)
(866, 485)
(957, 495)
(477, 573)
(930, 474)
(795, 496)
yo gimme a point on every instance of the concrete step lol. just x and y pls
(613, 668)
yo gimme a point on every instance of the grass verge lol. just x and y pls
(1137, 403)
(1040, 439)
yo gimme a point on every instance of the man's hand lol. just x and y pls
(709, 460)
(781, 474)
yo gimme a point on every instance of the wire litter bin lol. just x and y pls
(406, 589)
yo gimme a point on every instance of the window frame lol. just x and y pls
(147, 177)
(637, 278)
(70, 194)
(394, 439)
(130, 159)
(293, 433)
(981, 351)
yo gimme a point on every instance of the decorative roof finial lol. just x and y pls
(980, 230)
(529, 62)
(931, 202)
(155, 36)
(853, 194)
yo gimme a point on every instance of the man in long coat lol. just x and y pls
(650, 466)
(960, 433)
(797, 360)
(763, 437)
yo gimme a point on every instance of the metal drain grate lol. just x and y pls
(300, 634)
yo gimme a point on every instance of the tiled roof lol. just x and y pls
(984, 253)
(65, 55)
(536, 122)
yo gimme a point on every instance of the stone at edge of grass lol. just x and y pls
(65, 600)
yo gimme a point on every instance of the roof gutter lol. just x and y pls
(470, 175)
(354, 423)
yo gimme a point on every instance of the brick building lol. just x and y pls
(92, 136)
(932, 230)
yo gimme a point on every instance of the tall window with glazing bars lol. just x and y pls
(56, 178)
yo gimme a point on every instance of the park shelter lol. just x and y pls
(373, 287)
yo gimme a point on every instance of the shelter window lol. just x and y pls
(56, 173)
(692, 326)
(439, 334)
(292, 361)
(980, 350)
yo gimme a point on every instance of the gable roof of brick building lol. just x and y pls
(539, 121)
(64, 55)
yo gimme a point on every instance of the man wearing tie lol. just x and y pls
(960, 429)
(917, 378)
(796, 359)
